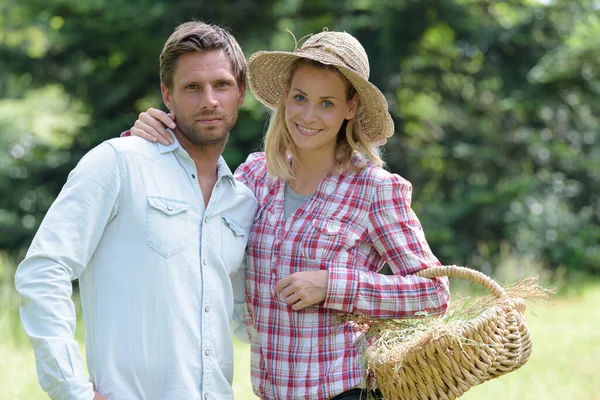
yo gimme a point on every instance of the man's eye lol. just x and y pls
(193, 86)
(223, 84)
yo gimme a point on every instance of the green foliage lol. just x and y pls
(494, 154)
(76, 73)
(495, 105)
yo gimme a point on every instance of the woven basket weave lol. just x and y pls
(444, 367)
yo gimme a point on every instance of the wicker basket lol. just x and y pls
(444, 367)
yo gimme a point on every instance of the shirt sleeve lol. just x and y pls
(59, 253)
(238, 322)
(397, 235)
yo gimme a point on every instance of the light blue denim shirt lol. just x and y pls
(160, 277)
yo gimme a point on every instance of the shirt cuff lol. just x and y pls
(80, 389)
(341, 289)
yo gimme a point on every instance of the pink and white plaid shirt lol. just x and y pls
(353, 224)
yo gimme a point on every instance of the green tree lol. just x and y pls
(67, 57)
(495, 105)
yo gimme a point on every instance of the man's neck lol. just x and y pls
(206, 159)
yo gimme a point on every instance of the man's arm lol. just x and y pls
(238, 323)
(59, 253)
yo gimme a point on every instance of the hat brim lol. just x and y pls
(268, 75)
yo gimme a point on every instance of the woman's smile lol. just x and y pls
(303, 130)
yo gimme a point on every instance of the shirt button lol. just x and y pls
(206, 309)
(205, 220)
(206, 397)
(207, 353)
(170, 208)
(204, 261)
(193, 176)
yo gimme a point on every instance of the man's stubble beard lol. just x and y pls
(203, 138)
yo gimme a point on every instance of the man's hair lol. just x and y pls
(194, 36)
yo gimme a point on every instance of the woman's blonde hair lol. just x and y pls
(280, 148)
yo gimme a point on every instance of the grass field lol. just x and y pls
(564, 364)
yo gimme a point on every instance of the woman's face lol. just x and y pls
(316, 107)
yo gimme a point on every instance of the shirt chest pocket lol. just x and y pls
(233, 243)
(327, 238)
(166, 225)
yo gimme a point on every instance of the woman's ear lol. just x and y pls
(353, 106)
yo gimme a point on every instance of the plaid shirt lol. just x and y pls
(352, 225)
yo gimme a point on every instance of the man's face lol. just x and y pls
(205, 97)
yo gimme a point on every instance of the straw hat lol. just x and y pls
(268, 75)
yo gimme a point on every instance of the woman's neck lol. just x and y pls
(312, 167)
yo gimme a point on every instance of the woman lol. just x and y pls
(329, 217)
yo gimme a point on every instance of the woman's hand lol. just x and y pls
(152, 126)
(303, 289)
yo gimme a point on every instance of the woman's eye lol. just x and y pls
(299, 97)
(327, 104)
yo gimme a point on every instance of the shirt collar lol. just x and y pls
(222, 167)
(224, 171)
(172, 147)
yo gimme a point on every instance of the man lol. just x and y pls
(156, 235)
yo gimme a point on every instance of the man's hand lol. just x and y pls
(303, 289)
(152, 125)
(97, 396)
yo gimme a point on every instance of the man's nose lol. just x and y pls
(209, 99)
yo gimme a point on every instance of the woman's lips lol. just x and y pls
(306, 131)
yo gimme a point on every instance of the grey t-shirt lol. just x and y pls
(293, 201)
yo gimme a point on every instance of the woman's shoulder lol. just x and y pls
(254, 162)
(381, 185)
(378, 176)
(256, 158)
(253, 169)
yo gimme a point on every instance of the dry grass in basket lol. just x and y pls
(396, 337)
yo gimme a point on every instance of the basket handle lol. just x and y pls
(466, 273)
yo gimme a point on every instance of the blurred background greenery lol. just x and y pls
(496, 105)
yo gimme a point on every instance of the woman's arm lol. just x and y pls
(152, 125)
(397, 235)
